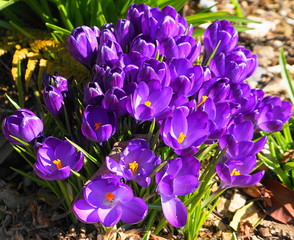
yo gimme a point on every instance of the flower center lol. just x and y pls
(109, 196)
(58, 163)
(97, 126)
(204, 98)
(181, 138)
(133, 166)
(147, 103)
(235, 172)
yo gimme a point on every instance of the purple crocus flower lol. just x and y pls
(219, 31)
(181, 46)
(98, 124)
(219, 115)
(113, 77)
(186, 79)
(82, 44)
(237, 65)
(54, 100)
(106, 35)
(108, 53)
(93, 94)
(57, 81)
(135, 14)
(131, 63)
(178, 177)
(23, 124)
(237, 150)
(153, 69)
(149, 101)
(237, 173)
(273, 113)
(124, 32)
(115, 101)
(161, 24)
(145, 46)
(107, 200)
(136, 163)
(185, 129)
(56, 159)
(217, 89)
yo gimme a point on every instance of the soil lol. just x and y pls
(28, 212)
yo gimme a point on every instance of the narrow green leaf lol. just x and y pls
(64, 31)
(7, 3)
(87, 155)
(35, 179)
(285, 75)
(12, 102)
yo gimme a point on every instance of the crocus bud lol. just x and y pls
(181, 47)
(144, 45)
(236, 65)
(23, 124)
(115, 101)
(124, 32)
(219, 31)
(93, 94)
(114, 77)
(82, 45)
(108, 53)
(53, 100)
(58, 81)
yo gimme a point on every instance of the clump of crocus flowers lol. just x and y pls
(148, 93)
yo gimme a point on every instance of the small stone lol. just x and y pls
(264, 232)
(237, 201)
(227, 236)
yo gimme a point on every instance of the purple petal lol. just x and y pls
(174, 211)
(110, 216)
(134, 210)
(85, 212)
(185, 184)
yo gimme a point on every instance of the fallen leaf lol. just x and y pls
(282, 199)
(248, 215)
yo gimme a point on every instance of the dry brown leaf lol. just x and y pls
(282, 199)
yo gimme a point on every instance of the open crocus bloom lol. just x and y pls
(108, 200)
(237, 173)
(56, 159)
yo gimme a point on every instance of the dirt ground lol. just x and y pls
(26, 212)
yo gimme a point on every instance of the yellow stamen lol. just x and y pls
(181, 137)
(58, 163)
(109, 196)
(147, 103)
(133, 166)
(204, 98)
(97, 126)
(235, 172)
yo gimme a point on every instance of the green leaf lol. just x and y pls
(289, 166)
(35, 179)
(285, 75)
(12, 102)
(6, 3)
(58, 29)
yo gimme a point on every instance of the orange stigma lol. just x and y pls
(147, 103)
(58, 163)
(133, 166)
(204, 98)
(109, 196)
(235, 172)
(97, 126)
(181, 138)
